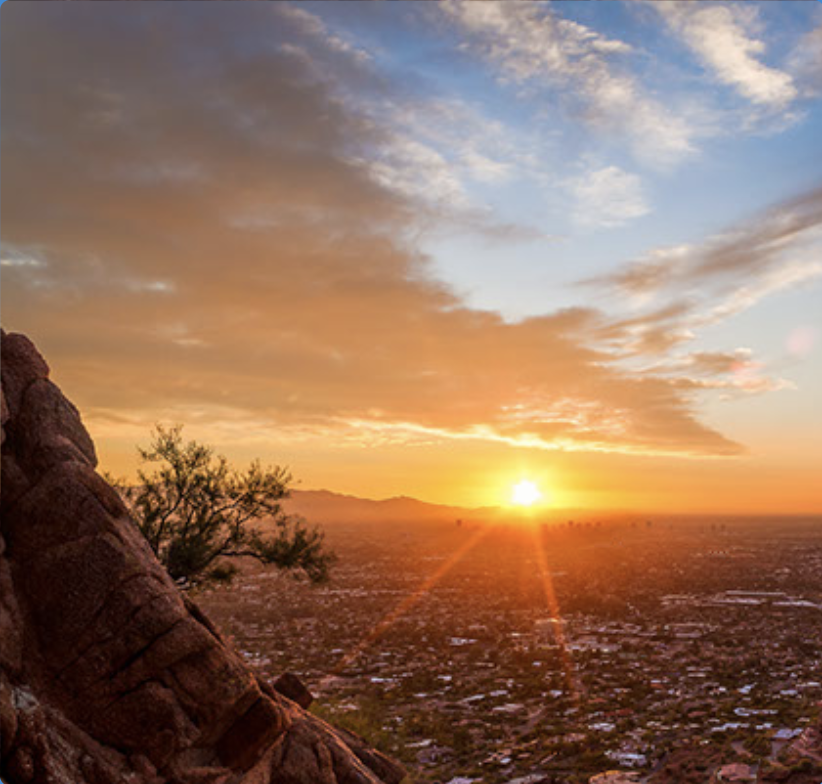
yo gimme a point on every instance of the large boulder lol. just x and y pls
(289, 685)
(107, 673)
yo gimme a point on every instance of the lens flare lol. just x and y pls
(405, 606)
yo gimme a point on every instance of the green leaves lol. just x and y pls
(195, 510)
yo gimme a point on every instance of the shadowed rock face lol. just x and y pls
(289, 685)
(108, 673)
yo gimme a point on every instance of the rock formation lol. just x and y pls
(289, 685)
(108, 675)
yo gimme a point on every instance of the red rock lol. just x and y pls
(15, 483)
(107, 673)
(22, 364)
(4, 416)
(289, 685)
(8, 717)
(240, 747)
(150, 719)
(54, 432)
(21, 765)
(11, 649)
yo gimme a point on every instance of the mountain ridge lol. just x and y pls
(328, 505)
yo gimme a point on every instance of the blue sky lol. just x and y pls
(744, 153)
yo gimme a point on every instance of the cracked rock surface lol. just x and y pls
(107, 673)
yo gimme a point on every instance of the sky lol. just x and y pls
(431, 249)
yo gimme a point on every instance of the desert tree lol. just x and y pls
(198, 512)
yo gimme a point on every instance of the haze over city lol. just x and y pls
(437, 250)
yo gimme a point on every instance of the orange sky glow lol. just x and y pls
(277, 232)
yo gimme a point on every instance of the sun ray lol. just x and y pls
(406, 604)
(558, 623)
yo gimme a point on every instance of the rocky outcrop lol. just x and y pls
(107, 673)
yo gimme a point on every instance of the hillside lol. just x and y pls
(108, 674)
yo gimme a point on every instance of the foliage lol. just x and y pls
(758, 745)
(196, 511)
(369, 721)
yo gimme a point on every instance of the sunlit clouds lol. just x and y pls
(679, 291)
(276, 228)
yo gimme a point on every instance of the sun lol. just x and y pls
(525, 493)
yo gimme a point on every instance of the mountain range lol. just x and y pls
(324, 506)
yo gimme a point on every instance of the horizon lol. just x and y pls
(547, 510)
(431, 251)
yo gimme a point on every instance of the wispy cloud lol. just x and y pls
(311, 26)
(805, 62)
(676, 293)
(608, 197)
(723, 36)
(774, 280)
(417, 170)
(14, 257)
(533, 46)
(425, 147)
(777, 248)
(731, 372)
(437, 148)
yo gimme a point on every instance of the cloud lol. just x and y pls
(723, 37)
(677, 292)
(805, 62)
(483, 168)
(774, 280)
(734, 372)
(435, 182)
(417, 170)
(655, 331)
(776, 249)
(608, 197)
(437, 148)
(12, 257)
(535, 47)
(313, 27)
(280, 288)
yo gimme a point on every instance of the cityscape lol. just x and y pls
(676, 648)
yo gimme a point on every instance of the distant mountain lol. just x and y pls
(323, 506)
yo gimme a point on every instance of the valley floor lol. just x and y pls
(668, 648)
